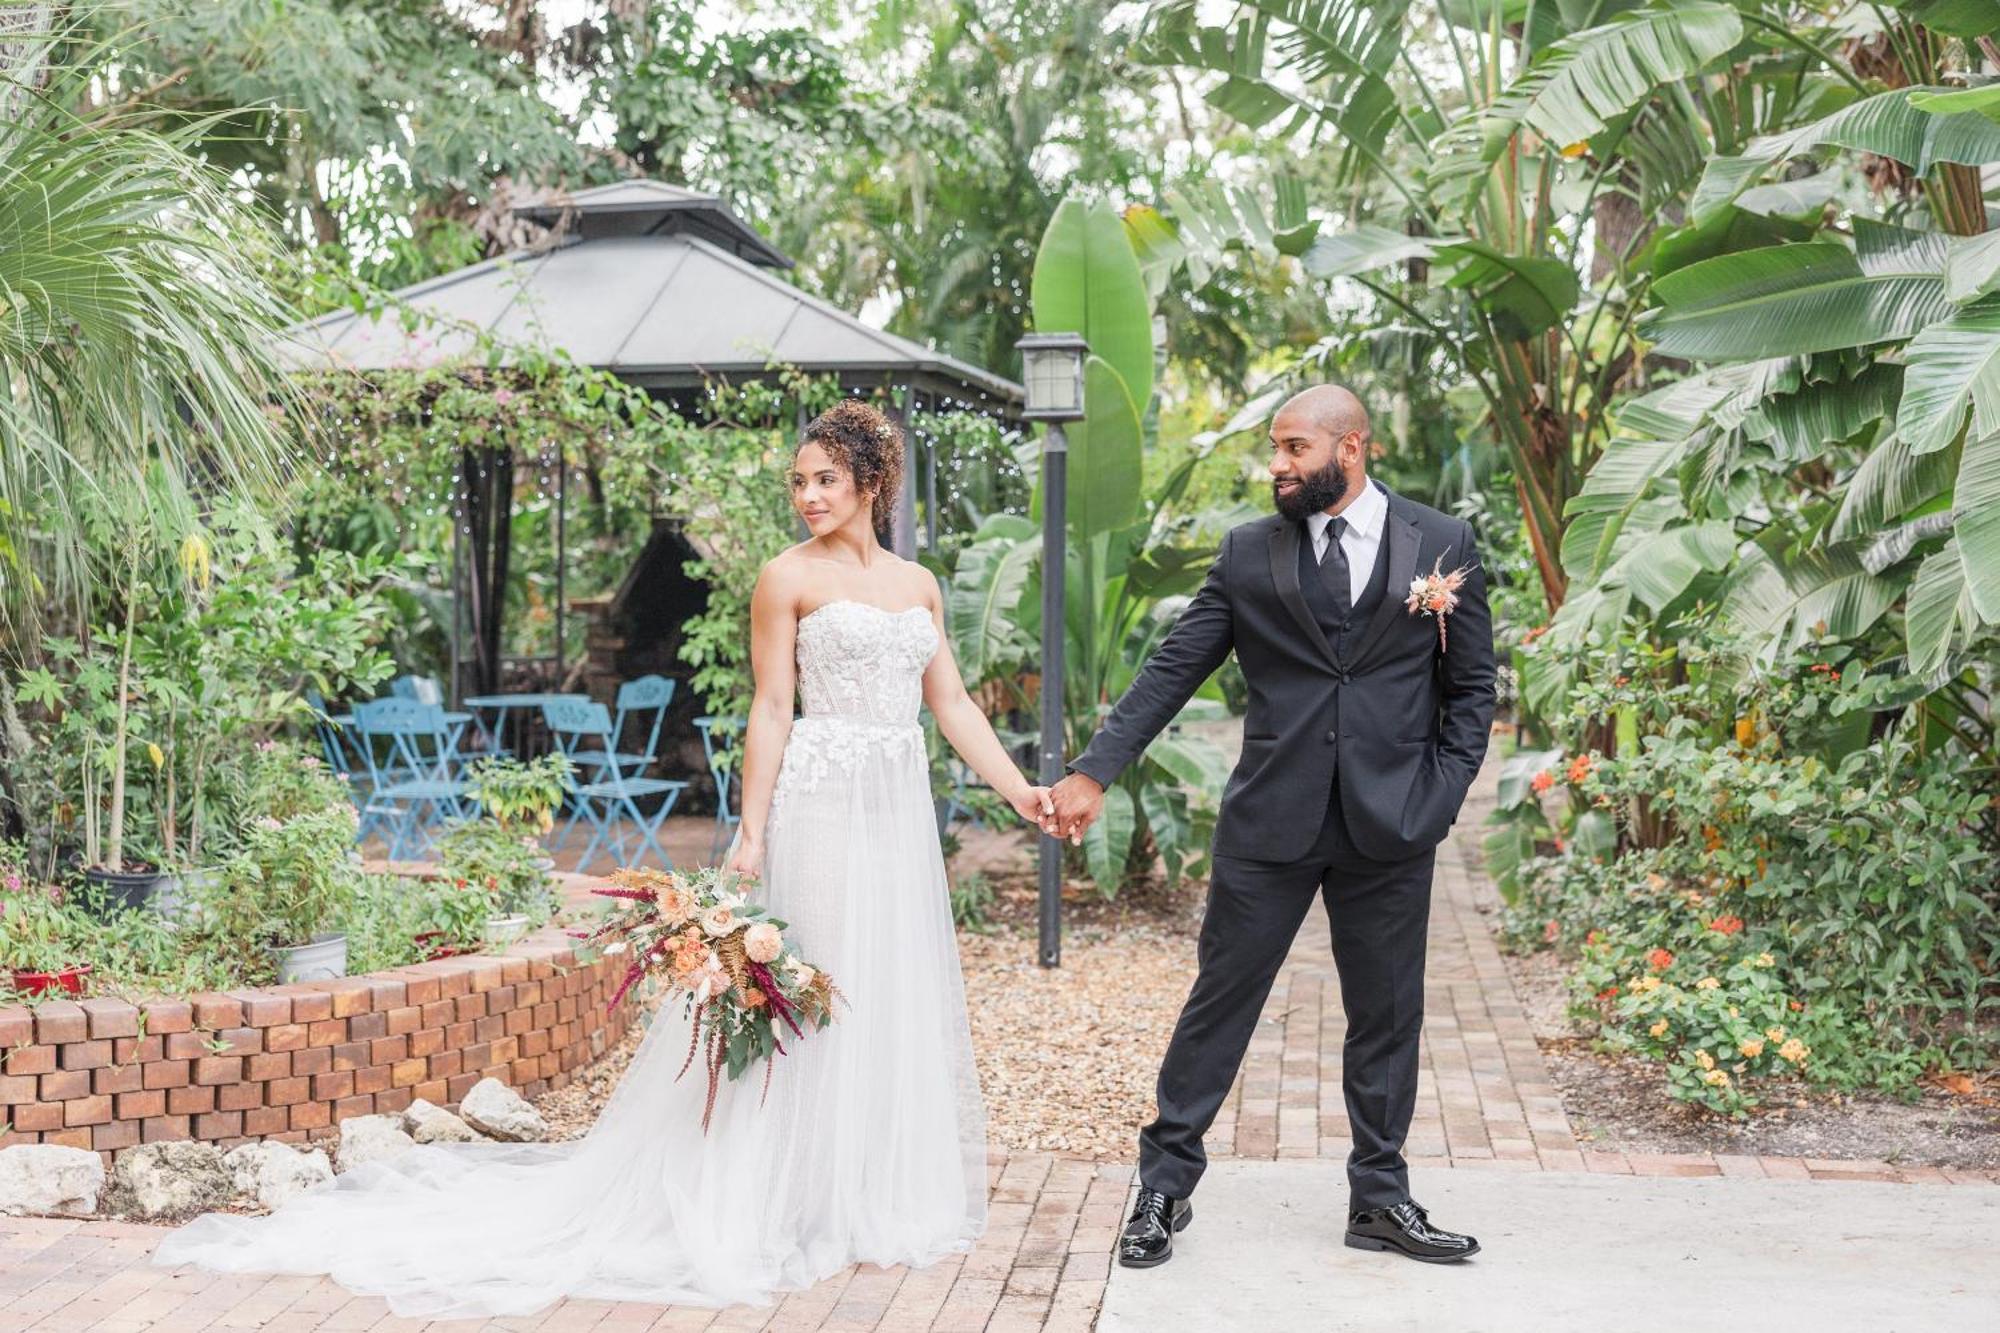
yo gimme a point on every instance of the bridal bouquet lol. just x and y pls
(723, 958)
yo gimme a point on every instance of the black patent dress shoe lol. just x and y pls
(1148, 1238)
(1406, 1228)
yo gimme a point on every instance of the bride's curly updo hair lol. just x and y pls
(869, 445)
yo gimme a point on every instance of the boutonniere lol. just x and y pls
(1436, 594)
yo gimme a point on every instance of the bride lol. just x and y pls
(871, 1143)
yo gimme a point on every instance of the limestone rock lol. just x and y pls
(368, 1138)
(499, 1112)
(49, 1180)
(167, 1181)
(273, 1173)
(427, 1123)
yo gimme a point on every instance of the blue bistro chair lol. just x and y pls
(421, 689)
(413, 786)
(339, 750)
(637, 697)
(609, 800)
(718, 737)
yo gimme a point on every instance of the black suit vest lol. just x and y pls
(1340, 630)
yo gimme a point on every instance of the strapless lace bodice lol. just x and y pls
(859, 660)
(861, 681)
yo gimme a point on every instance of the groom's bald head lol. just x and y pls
(1331, 411)
(1319, 450)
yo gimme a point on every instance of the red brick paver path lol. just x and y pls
(1484, 1102)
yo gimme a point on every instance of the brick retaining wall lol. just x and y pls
(291, 1062)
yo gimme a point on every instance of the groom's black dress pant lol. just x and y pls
(1379, 912)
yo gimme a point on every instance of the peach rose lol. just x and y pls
(718, 920)
(675, 903)
(762, 943)
(710, 982)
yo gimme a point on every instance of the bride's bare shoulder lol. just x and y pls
(784, 579)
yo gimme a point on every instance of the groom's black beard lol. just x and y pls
(1317, 491)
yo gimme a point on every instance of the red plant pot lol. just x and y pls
(70, 980)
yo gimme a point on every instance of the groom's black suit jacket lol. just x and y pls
(1400, 725)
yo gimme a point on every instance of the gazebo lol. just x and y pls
(669, 290)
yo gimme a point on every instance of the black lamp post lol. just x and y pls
(1052, 373)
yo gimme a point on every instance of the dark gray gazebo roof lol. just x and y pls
(662, 286)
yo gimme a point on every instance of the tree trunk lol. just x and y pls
(14, 743)
(23, 53)
(489, 511)
(1620, 227)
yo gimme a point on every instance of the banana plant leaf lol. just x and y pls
(1954, 18)
(1972, 268)
(1578, 85)
(1891, 481)
(1976, 519)
(1918, 127)
(1087, 280)
(1108, 842)
(1792, 299)
(1940, 609)
(1954, 366)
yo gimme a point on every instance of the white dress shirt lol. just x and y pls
(1365, 514)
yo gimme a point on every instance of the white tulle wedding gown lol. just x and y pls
(870, 1147)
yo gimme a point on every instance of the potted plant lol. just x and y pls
(35, 947)
(502, 865)
(522, 797)
(230, 654)
(90, 705)
(453, 912)
(288, 882)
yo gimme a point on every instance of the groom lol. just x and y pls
(1362, 734)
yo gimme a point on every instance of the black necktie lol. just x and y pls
(1333, 567)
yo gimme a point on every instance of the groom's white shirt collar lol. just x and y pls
(1365, 514)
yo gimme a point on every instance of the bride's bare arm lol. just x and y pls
(967, 729)
(774, 671)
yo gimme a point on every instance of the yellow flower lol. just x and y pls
(1645, 984)
(1659, 1029)
(1752, 1047)
(1704, 1059)
(1765, 960)
(1775, 1033)
(194, 557)
(1733, 1012)
(1716, 1078)
(1794, 1050)
(1707, 983)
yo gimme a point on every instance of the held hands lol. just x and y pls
(1035, 806)
(1078, 801)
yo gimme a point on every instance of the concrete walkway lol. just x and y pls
(1563, 1251)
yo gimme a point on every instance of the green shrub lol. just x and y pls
(1715, 822)
(502, 865)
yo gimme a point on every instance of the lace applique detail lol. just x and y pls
(861, 672)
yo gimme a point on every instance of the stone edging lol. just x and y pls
(296, 1060)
